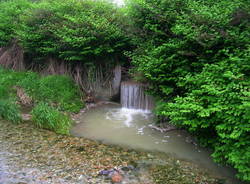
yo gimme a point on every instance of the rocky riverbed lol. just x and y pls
(30, 155)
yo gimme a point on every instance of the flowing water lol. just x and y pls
(133, 96)
(132, 125)
(133, 128)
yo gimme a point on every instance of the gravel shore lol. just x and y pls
(29, 155)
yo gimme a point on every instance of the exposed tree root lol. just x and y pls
(99, 81)
(55, 67)
(96, 82)
(12, 57)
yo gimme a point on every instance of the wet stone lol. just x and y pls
(128, 168)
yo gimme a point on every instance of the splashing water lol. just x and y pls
(133, 96)
(132, 128)
(127, 115)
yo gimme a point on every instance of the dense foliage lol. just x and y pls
(196, 55)
(58, 91)
(86, 31)
(9, 78)
(9, 110)
(217, 109)
(52, 95)
(10, 19)
(45, 116)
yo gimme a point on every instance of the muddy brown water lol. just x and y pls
(131, 128)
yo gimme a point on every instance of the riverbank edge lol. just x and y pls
(162, 171)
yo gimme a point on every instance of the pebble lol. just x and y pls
(116, 177)
(58, 160)
(128, 168)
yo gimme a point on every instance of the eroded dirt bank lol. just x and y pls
(31, 155)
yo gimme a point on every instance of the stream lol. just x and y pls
(107, 138)
(132, 128)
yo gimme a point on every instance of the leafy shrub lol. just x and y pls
(60, 90)
(3, 92)
(9, 78)
(9, 110)
(179, 37)
(10, 19)
(217, 109)
(45, 116)
(85, 31)
(30, 83)
(195, 55)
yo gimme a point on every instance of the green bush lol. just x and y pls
(9, 78)
(30, 82)
(10, 19)
(9, 110)
(45, 116)
(217, 110)
(60, 91)
(195, 55)
(85, 31)
(176, 38)
(3, 92)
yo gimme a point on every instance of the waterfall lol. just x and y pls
(133, 96)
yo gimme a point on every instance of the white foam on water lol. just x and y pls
(140, 131)
(127, 115)
(133, 96)
(133, 128)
